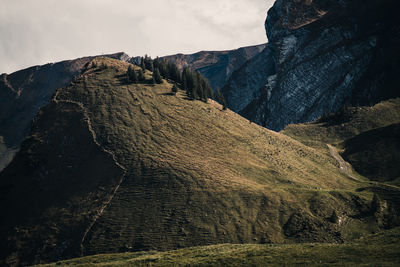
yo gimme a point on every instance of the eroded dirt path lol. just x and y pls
(114, 192)
(342, 163)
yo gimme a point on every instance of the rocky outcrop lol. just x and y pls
(326, 54)
(216, 66)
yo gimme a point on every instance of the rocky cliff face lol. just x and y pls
(22, 93)
(244, 86)
(325, 54)
(216, 66)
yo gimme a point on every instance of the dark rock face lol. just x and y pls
(326, 54)
(216, 66)
(22, 93)
(246, 81)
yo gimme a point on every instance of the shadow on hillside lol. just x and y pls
(168, 93)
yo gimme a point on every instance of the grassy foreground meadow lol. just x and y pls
(376, 250)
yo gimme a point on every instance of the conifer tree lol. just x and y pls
(164, 69)
(199, 87)
(207, 89)
(221, 99)
(173, 72)
(156, 63)
(184, 82)
(160, 65)
(157, 77)
(151, 66)
(174, 89)
(188, 92)
(134, 77)
(148, 63)
(224, 106)
(186, 85)
(142, 64)
(190, 80)
(141, 77)
(193, 85)
(131, 75)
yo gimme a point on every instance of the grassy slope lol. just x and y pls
(147, 120)
(367, 137)
(198, 174)
(376, 250)
(376, 153)
(193, 175)
(336, 128)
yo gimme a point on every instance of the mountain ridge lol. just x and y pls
(216, 66)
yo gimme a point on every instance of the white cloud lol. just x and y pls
(40, 31)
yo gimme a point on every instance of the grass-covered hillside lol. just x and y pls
(368, 138)
(348, 122)
(376, 153)
(375, 250)
(112, 166)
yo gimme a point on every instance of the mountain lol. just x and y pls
(321, 55)
(216, 66)
(97, 164)
(111, 166)
(22, 93)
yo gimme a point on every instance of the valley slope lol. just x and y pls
(368, 138)
(111, 166)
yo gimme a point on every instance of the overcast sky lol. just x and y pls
(34, 32)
